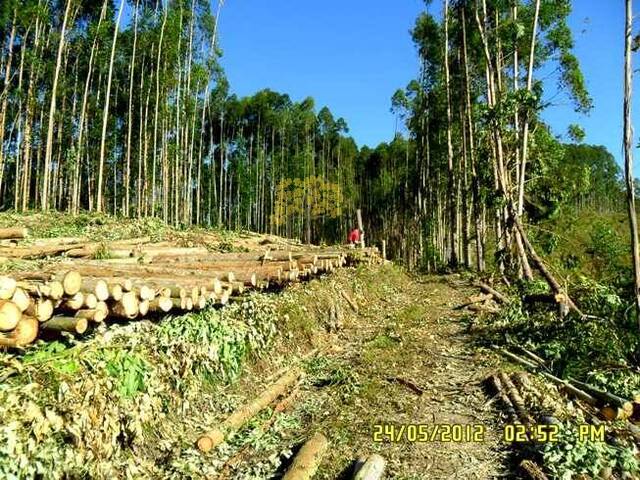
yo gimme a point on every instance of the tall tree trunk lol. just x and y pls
(127, 170)
(83, 113)
(155, 125)
(44, 198)
(5, 95)
(105, 113)
(475, 181)
(628, 155)
(451, 193)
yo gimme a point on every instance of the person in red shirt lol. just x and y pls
(354, 236)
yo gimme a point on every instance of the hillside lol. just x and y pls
(130, 399)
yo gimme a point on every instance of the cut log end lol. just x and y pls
(42, 309)
(21, 299)
(71, 282)
(143, 308)
(161, 304)
(10, 315)
(90, 300)
(208, 442)
(127, 307)
(8, 287)
(55, 290)
(23, 334)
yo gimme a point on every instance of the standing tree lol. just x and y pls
(628, 155)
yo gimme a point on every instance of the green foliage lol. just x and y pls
(599, 348)
(129, 371)
(94, 227)
(609, 255)
(570, 456)
(576, 133)
(55, 355)
(215, 343)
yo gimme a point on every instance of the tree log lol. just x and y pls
(161, 304)
(572, 390)
(179, 303)
(73, 304)
(90, 300)
(10, 315)
(371, 469)
(115, 291)
(40, 308)
(71, 282)
(306, 463)
(506, 401)
(143, 308)
(238, 418)
(248, 275)
(537, 261)
(8, 287)
(160, 252)
(25, 332)
(57, 241)
(66, 324)
(516, 399)
(127, 307)
(91, 250)
(201, 303)
(188, 304)
(532, 470)
(482, 308)
(21, 299)
(496, 294)
(34, 252)
(145, 292)
(95, 315)
(97, 286)
(611, 413)
(605, 397)
(352, 303)
(102, 306)
(10, 233)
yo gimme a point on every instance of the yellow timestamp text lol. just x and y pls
(467, 433)
(422, 433)
(549, 433)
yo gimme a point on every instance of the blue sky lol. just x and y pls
(351, 55)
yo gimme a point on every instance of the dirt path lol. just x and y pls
(404, 359)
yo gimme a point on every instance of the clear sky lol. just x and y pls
(351, 55)
(598, 28)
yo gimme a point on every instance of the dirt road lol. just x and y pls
(404, 360)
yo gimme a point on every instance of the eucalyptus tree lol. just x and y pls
(628, 154)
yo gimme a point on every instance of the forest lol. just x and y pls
(123, 108)
(119, 113)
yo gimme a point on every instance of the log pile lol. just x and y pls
(136, 278)
(598, 403)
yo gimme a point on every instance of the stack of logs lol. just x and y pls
(526, 404)
(137, 278)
